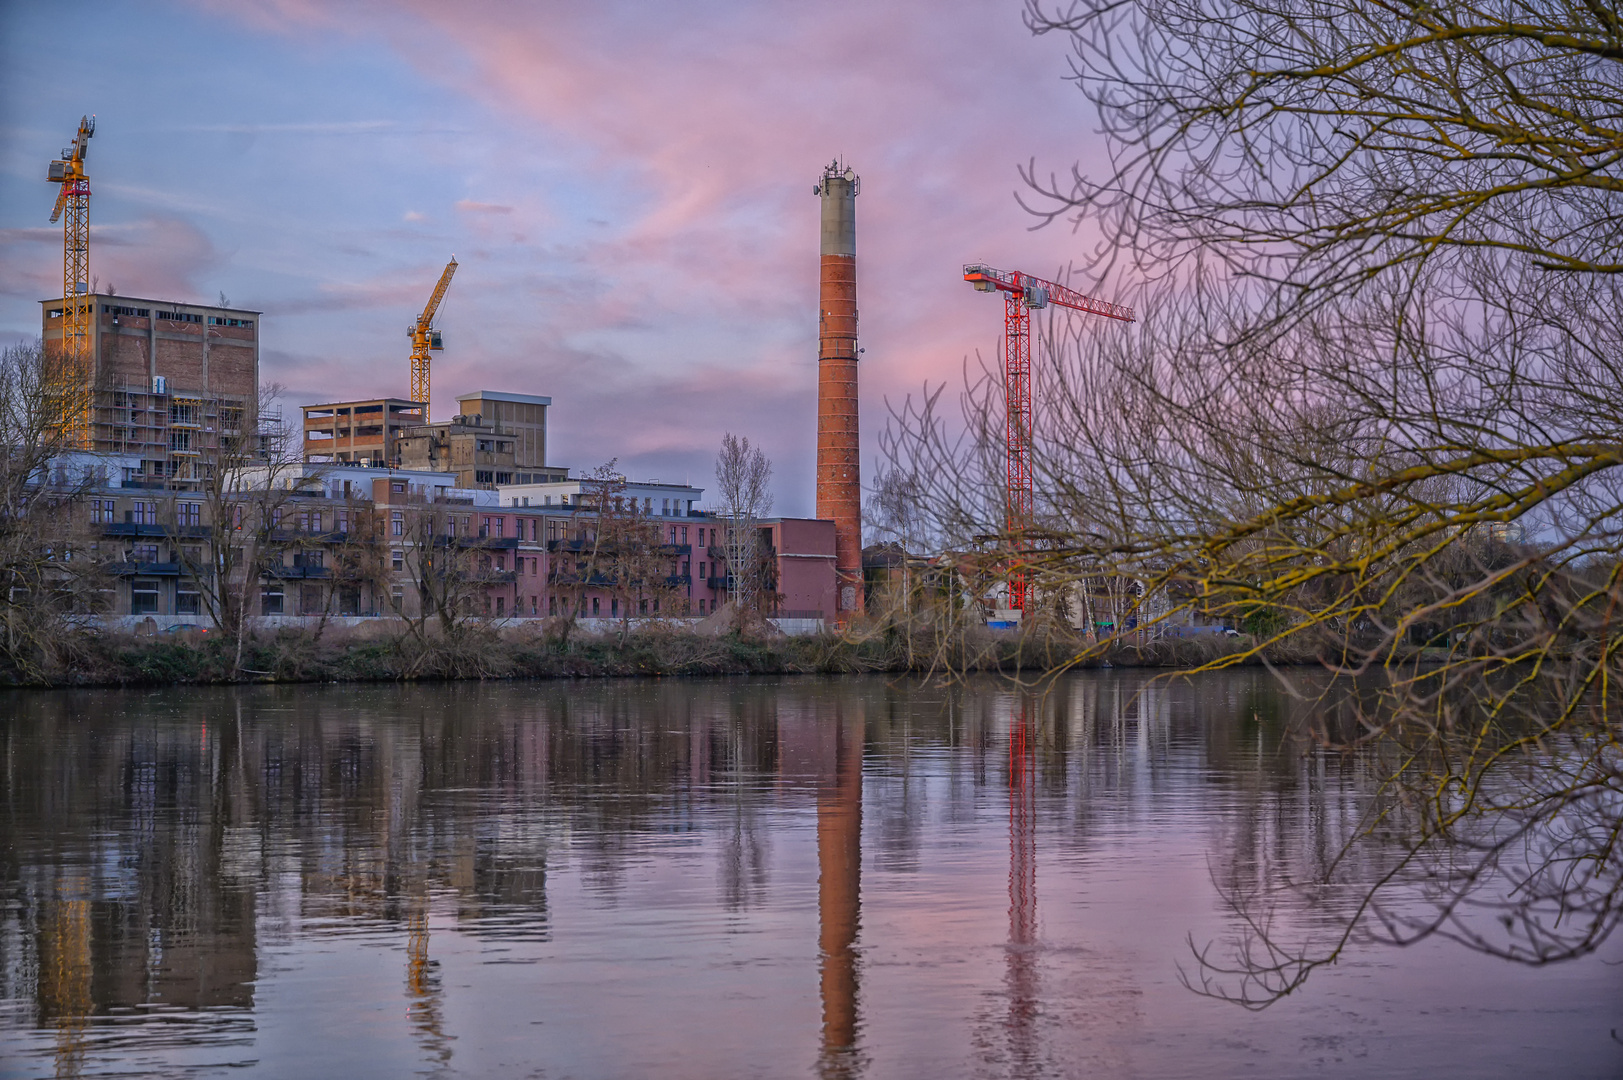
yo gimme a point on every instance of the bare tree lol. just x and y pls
(248, 482)
(743, 478)
(1368, 416)
(48, 562)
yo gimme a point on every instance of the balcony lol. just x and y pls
(146, 569)
(130, 528)
(721, 584)
(294, 573)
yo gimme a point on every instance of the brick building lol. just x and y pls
(169, 379)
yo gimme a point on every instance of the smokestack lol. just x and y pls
(839, 468)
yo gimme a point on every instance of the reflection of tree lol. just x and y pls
(1494, 832)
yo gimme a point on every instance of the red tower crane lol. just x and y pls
(1021, 293)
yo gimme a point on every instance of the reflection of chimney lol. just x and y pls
(839, 896)
(839, 469)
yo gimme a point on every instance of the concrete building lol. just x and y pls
(169, 380)
(506, 445)
(521, 417)
(651, 497)
(358, 432)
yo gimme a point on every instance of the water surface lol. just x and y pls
(728, 878)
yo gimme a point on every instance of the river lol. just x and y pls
(834, 877)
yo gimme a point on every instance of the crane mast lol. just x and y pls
(1021, 293)
(68, 371)
(425, 338)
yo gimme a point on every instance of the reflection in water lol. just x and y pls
(423, 989)
(839, 894)
(739, 877)
(1022, 962)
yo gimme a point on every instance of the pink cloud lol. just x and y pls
(714, 120)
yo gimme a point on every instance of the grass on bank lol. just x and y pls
(381, 653)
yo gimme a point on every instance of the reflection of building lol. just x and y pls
(170, 379)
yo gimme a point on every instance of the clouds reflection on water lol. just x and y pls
(690, 878)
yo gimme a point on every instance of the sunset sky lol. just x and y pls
(627, 187)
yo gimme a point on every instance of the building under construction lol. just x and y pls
(169, 379)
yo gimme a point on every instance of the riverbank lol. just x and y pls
(343, 654)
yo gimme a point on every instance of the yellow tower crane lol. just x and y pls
(70, 367)
(424, 338)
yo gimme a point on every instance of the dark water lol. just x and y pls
(706, 879)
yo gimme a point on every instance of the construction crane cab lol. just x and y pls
(425, 339)
(69, 170)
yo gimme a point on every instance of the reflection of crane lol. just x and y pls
(424, 338)
(72, 360)
(1021, 293)
(1021, 976)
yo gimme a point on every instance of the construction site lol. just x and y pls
(171, 397)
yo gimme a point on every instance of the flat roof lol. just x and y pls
(502, 395)
(364, 401)
(120, 298)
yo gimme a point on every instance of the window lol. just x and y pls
(684, 532)
(398, 487)
(343, 521)
(702, 568)
(102, 510)
(665, 507)
(481, 476)
(552, 605)
(270, 599)
(145, 553)
(670, 535)
(144, 513)
(501, 563)
(310, 600)
(397, 559)
(595, 602)
(701, 538)
(397, 524)
(398, 596)
(187, 601)
(144, 596)
(501, 607)
(614, 607)
(533, 609)
(503, 478)
(191, 514)
(648, 505)
(701, 606)
(310, 559)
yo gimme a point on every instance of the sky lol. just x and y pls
(627, 189)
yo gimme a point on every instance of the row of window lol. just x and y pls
(132, 312)
(180, 316)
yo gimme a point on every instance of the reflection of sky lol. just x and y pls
(626, 186)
